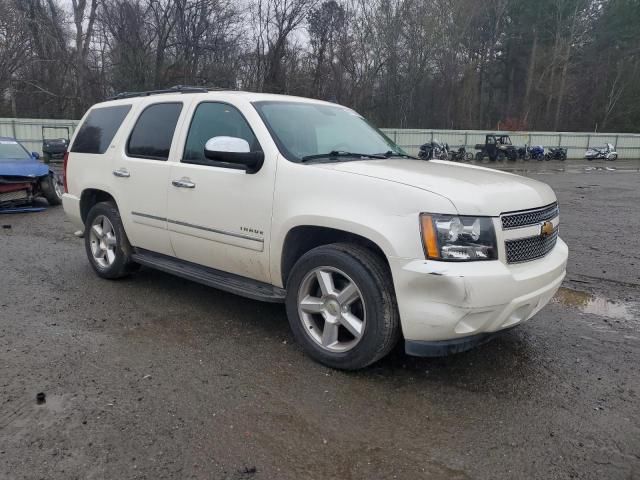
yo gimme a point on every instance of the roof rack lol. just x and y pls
(174, 89)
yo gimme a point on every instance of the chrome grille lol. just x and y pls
(530, 248)
(529, 217)
(12, 196)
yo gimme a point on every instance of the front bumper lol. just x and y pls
(448, 301)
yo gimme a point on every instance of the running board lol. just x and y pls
(210, 276)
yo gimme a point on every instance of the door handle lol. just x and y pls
(183, 183)
(122, 172)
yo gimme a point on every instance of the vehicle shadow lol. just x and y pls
(512, 360)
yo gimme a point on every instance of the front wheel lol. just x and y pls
(341, 306)
(106, 242)
(52, 189)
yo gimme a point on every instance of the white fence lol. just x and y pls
(31, 131)
(627, 144)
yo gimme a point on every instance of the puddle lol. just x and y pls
(596, 304)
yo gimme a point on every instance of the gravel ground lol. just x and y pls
(154, 377)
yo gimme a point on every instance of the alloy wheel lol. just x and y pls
(331, 308)
(102, 238)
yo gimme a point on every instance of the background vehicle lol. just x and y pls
(23, 177)
(292, 200)
(497, 148)
(434, 150)
(607, 152)
(54, 148)
(556, 153)
(528, 152)
(460, 155)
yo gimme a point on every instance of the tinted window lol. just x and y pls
(215, 120)
(153, 133)
(98, 130)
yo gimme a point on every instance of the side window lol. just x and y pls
(215, 120)
(152, 135)
(99, 128)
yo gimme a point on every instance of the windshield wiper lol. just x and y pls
(391, 153)
(340, 154)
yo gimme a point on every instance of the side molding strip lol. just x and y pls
(198, 227)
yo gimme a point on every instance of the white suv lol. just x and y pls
(293, 200)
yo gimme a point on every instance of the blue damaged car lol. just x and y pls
(23, 178)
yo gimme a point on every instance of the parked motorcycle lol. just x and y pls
(460, 155)
(434, 150)
(531, 153)
(607, 152)
(556, 153)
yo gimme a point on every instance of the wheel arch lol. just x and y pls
(303, 238)
(91, 196)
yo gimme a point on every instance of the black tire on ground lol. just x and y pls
(49, 190)
(500, 157)
(479, 157)
(122, 265)
(46, 158)
(468, 156)
(372, 276)
(547, 156)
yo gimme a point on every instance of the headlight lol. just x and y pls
(458, 238)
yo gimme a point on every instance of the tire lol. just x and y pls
(46, 157)
(468, 156)
(500, 157)
(613, 157)
(547, 157)
(52, 189)
(116, 261)
(375, 306)
(479, 157)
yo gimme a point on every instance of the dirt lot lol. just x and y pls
(154, 377)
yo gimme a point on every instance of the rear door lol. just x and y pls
(141, 174)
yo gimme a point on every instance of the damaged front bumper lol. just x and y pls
(17, 196)
(446, 307)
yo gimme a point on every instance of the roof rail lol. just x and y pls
(174, 89)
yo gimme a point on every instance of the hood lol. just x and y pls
(473, 190)
(23, 168)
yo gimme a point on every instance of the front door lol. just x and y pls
(218, 215)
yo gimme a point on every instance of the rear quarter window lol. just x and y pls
(99, 128)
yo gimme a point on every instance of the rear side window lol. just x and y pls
(153, 133)
(97, 131)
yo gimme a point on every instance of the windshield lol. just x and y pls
(304, 130)
(12, 150)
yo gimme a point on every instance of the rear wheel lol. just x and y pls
(106, 242)
(500, 157)
(341, 306)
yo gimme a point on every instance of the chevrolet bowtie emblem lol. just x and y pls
(546, 229)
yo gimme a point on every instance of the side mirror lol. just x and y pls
(35, 155)
(233, 150)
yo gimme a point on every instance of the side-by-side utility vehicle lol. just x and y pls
(293, 200)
